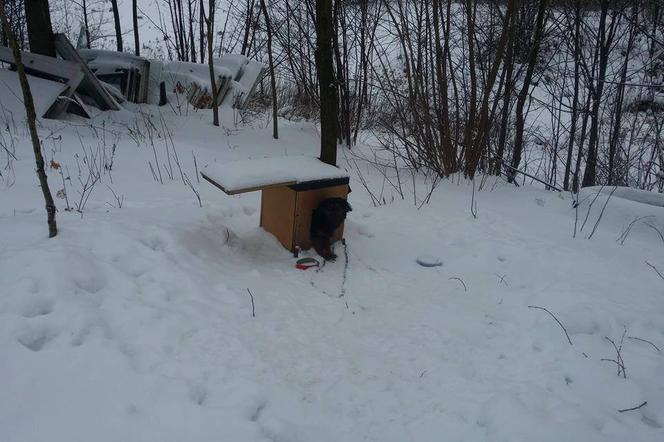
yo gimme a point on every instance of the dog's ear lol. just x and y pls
(348, 206)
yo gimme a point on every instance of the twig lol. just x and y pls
(634, 408)
(619, 361)
(196, 167)
(193, 189)
(623, 236)
(646, 341)
(556, 188)
(554, 317)
(473, 203)
(501, 279)
(465, 289)
(343, 280)
(590, 207)
(119, 200)
(655, 269)
(659, 232)
(253, 307)
(601, 213)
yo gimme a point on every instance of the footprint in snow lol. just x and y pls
(38, 306)
(35, 338)
(198, 393)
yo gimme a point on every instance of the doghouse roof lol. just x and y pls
(257, 174)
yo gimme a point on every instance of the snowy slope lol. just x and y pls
(135, 323)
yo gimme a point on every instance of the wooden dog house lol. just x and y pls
(292, 187)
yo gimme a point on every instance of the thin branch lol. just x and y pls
(253, 307)
(655, 269)
(465, 289)
(634, 408)
(646, 341)
(554, 317)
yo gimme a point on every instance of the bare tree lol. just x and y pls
(525, 88)
(116, 21)
(32, 125)
(326, 78)
(273, 81)
(134, 14)
(209, 21)
(40, 31)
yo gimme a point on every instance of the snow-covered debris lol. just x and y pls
(44, 92)
(128, 73)
(193, 81)
(247, 75)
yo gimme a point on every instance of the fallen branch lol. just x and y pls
(646, 341)
(634, 408)
(465, 289)
(655, 269)
(345, 273)
(253, 307)
(529, 176)
(554, 317)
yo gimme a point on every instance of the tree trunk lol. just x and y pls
(116, 21)
(575, 100)
(481, 128)
(213, 81)
(32, 126)
(86, 24)
(507, 99)
(247, 27)
(201, 31)
(525, 88)
(192, 41)
(326, 80)
(604, 41)
(40, 31)
(137, 43)
(621, 96)
(273, 81)
(448, 154)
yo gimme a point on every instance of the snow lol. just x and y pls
(44, 92)
(238, 176)
(135, 323)
(429, 261)
(630, 193)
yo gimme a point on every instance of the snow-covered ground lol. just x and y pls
(135, 322)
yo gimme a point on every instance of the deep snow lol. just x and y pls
(135, 323)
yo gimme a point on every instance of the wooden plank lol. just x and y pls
(90, 85)
(278, 214)
(46, 67)
(247, 189)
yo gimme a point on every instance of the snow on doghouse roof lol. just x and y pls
(255, 174)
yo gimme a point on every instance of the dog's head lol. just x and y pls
(334, 211)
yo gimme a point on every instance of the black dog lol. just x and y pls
(326, 218)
